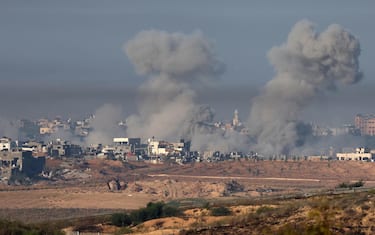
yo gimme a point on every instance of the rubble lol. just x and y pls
(233, 187)
(116, 185)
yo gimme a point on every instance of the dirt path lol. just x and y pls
(233, 177)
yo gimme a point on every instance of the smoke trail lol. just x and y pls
(176, 65)
(105, 125)
(307, 65)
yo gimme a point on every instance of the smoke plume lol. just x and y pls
(176, 65)
(8, 129)
(105, 125)
(307, 65)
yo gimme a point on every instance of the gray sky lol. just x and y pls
(66, 58)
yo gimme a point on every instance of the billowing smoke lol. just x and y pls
(64, 135)
(307, 65)
(105, 125)
(205, 136)
(176, 65)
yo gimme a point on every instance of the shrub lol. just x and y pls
(121, 219)
(169, 211)
(18, 228)
(220, 211)
(351, 185)
(153, 211)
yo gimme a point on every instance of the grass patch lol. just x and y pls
(357, 184)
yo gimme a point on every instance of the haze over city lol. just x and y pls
(68, 56)
(281, 66)
(187, 117)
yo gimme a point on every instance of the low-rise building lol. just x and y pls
(360, 154)
(15, 162)
(6, 144)
(365, 124)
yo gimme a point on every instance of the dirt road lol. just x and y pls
(233, 177)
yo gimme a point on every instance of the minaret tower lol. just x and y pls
(236, 121)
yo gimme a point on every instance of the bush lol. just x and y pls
(169, 211)
(18, 228)
(220, 211)
(153, 211)
(351, 185)
(121, 219)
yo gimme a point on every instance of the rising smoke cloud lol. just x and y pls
(307, 65)
(176, 64)
(105, 125)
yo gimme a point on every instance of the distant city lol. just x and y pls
(44, 138)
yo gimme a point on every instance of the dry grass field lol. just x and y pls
(86, 189)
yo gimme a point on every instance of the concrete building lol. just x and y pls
(46, 130)
(365, 124)
(15, 162)
(35, 147)
(126, 143)
(360, 154)
(164, 148)
(10, 162)
(56, 148)
(5, 144)
(124, 147)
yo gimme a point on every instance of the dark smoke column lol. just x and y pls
(308, 64)
(175, 64)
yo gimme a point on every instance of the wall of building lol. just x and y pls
(31, 165)
(354, 156)
(365, 124)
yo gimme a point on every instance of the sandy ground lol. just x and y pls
(72, 198)
(167, 182)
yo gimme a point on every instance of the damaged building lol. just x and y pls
(16, 162)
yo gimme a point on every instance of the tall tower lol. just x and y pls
(236, 121)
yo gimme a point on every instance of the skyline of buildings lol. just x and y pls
(363, 124)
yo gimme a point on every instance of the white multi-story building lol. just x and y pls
(5, 144)
(360, 154)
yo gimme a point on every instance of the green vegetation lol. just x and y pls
(151, 211)
(18, 228)
(346, 213)
(351, 185)
(220, 211)
(121, 219)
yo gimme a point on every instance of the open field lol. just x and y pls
(351, 213)
(84, 186)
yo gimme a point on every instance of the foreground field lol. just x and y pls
(352, 213)
(82, 185)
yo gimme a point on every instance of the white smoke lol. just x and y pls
(105, 125)
(307, 65)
